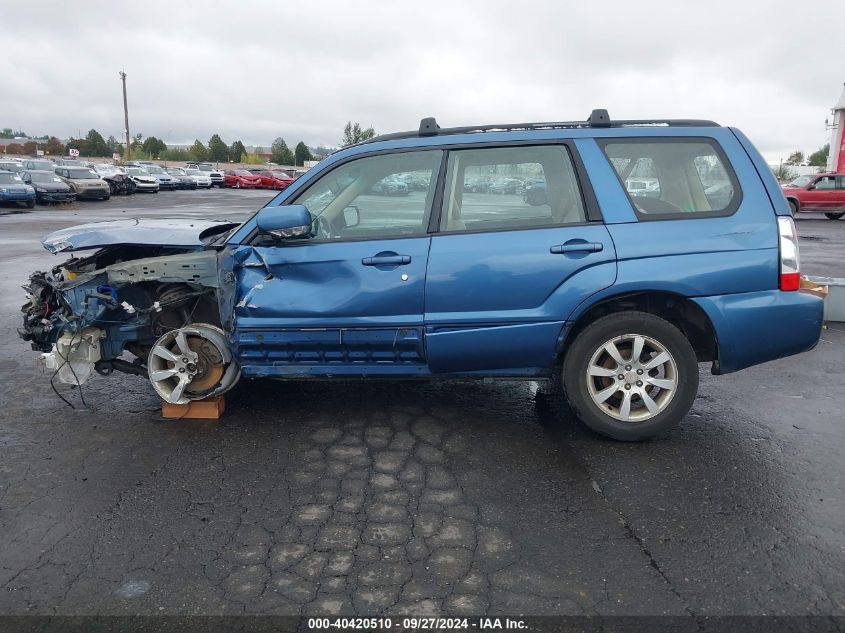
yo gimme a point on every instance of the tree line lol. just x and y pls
(216, 150)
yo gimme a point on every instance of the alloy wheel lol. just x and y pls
(632, 377)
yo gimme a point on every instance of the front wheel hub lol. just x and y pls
(192, 363)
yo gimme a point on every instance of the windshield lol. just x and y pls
(176, 171)
(136, 171)
(9, 179)
(193, 172)
(801, 181)
(82, 174)
(243, 172)
(152, 169)
(41, 164)
(42, 177)
(205, 168)
(11, 166)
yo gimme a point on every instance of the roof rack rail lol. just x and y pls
(598, 118)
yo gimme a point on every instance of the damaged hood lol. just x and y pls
(178, 233)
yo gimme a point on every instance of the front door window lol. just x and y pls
(376, 197)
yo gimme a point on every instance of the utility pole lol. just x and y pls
(126, 117)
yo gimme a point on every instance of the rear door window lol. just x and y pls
(674, 178)
(825, 182)
(508, 188)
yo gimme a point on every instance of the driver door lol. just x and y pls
(347, 299)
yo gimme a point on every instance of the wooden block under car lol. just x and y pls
(210, 409)
(813, 287)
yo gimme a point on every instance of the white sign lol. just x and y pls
(115, 156)
(39, 152)
(73, 152)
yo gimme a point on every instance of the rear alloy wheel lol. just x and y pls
(631, 375)
(834, 216)
(793, 208)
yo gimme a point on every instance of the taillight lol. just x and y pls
(790, 268)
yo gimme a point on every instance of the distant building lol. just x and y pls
(836, 156)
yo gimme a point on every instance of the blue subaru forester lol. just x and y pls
(618, 254)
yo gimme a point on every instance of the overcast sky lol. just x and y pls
(257, 70)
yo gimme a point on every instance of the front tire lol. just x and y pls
(793, 208)
(834, 216)
(658, 369)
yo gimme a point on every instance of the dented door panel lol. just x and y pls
(312, 309)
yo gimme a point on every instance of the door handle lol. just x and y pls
(576, 247)
(387, 260)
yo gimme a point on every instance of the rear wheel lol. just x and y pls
(793, 207)
(237, 184)
(630, 375)
(834, 216)
(30, 204)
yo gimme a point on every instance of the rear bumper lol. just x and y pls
(55, 197)
(17, 197)
(93, 194)
(756, 327)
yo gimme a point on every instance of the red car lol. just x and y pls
(241, 179)
(821, 193)
(271, 179)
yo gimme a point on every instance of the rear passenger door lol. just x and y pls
(839, 201)
(509, 264)
(822, 195)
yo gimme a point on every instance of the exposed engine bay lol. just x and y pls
(151, 311)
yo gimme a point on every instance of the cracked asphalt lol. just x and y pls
(413, 497)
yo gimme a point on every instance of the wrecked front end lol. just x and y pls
(150, 310)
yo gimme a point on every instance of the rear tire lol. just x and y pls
(659, 385)
(793, 208)
(834, 216)
(30, 204)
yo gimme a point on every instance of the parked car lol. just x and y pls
(621, 296)
(11, 165)
(183, 180)
(415, 182)
(272, 179)
(201, 178)
(165, 180)
(119, 181)
(506, 186)
(48, 186)
(821, 193)
(390, 186)
(143, 180)
(38, 164)
(216, 176)
(14, 189)
(479, 184)
(85, 182)
(241, 179)
(534, 192)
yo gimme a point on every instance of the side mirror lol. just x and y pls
(285, 222)
(351, 216)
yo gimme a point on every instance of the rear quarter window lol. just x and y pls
(672, 178)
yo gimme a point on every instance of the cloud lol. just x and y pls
(254, 71)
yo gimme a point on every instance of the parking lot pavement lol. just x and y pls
(468, 497)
